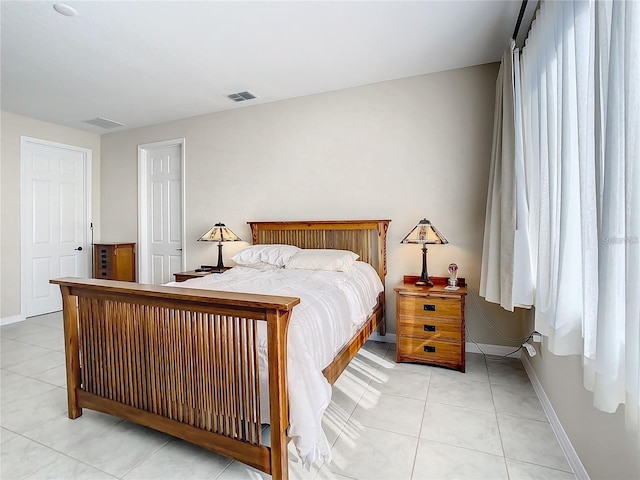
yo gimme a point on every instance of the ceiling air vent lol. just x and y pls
(242, 96)
(104, 123)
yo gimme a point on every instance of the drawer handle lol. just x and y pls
(429, 328)
(429, 307)
(429, 349)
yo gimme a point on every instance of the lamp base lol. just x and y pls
(220, 264)
(424, 280)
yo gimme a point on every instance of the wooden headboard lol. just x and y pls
(367, 238)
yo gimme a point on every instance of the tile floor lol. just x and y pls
(386, 421)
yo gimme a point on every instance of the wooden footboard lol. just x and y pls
(181, 361)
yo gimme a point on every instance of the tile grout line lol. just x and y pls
(148, 457)
(495, 414)
(424, 411)
(439, 442)
(57, 451)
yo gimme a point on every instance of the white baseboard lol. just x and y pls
(11, 319)
(571, 454)
(498, 350)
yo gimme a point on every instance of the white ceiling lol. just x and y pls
(148, 62)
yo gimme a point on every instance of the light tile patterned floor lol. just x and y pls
(386, 421)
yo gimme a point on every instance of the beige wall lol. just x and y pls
(405, 149)
(605, 447)
(12, 127)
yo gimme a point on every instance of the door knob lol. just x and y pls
(79, 249)
(179, 249)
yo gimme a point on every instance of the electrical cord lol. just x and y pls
(475, 297)
(493, 358)
(521, 341)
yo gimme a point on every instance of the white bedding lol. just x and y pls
(333, 305)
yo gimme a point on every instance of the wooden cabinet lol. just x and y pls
(430, 323)
(115, 261)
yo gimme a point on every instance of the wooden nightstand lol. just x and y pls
(182, 276)
(430, 323)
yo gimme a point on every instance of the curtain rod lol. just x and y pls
(523, 7)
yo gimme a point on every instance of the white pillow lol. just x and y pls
(277, 255)
(262, 266)
(323, 259)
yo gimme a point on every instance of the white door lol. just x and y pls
(54, 221)
(161, 209)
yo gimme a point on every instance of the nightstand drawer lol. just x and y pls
(429, 306)
(430, 351)
(432, 328)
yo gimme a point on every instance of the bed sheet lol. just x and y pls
(333, 305)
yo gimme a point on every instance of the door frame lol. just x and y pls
(24, 215)
(144, 274)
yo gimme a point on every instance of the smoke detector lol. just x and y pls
(64, 9)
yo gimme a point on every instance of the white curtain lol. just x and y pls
(577, 191)
(496, 276)
(612, 361)
(506, 264)
(556, 97)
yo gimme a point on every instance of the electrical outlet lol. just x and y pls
(536, 337)
(530, 349)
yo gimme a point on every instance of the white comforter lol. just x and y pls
(333, 305)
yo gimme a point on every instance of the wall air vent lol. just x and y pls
(104, 123)
(242, 96)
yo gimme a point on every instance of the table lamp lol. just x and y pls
(424, 232)
(219, 233)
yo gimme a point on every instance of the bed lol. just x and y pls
(185, 361)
